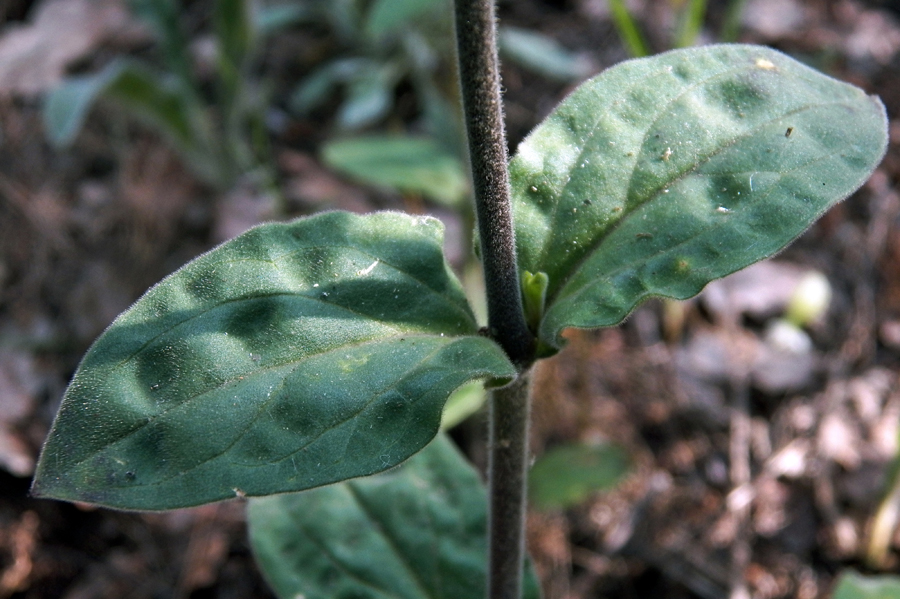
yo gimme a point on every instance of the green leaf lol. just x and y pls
(141, 90)
(314, 90)
(852, 585)
(234, 38)
(462, 403)
(165, 20)
(534, 297)
(369, 97)
(627, 29)
(416, 532)
(66, 107)
(665, 173)
(268, 20)
(234, 30)
(159, 101)
(293, 356)
(690, 23)
(568, 474)
(388, 16)
(409, 164)
(542, 54)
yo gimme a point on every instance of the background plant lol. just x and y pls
(220, 134)
(661, 213)
(690, 16)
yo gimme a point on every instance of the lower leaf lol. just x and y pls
(417, 532)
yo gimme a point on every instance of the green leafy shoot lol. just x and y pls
(534, 296)
(387, 17)
(219, 136)
(690, 22)
(152, 97)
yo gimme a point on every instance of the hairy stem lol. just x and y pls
(507, 477)
(479, 73)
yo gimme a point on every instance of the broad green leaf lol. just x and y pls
(416, 532)
(567, 475)
(851, 585)
(410, 164)
(665, 173)
(293, 356)
(67, 107)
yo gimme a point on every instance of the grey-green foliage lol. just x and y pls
(699, 163)
(542, 55)
(410, 164)
(293, 356)
(217, 136)
(384, 43)
(416, 532)
(568, 474)
(155, 98)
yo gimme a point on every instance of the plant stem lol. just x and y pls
(479, 73)
(507, 478)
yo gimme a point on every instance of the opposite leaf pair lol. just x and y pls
(303, 354)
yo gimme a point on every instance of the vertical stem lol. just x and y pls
(479, 73)
(507, 476)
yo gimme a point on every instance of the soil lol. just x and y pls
(756, 471)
